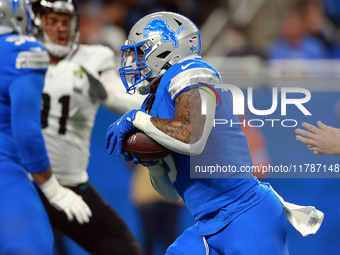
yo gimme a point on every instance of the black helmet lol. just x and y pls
(41, 7)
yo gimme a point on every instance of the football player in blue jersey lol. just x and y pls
(24, 225)
(234, 211)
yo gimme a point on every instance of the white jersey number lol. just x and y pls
(65, 105)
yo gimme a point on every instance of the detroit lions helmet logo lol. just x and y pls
(160, 26)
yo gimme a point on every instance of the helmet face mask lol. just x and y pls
(163, 38)
(56, 22)
(15, 17)
(134, 69)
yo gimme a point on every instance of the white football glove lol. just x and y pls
(66, 200)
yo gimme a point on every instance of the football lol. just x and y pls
(141, 146)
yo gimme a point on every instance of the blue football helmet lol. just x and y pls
(155, 43)
(15, 17)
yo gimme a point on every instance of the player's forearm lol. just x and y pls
(177, 129)
(25, 94)
(143, 122)
(31, 144)
(180, 134)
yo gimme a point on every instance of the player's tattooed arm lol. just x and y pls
(188, 124)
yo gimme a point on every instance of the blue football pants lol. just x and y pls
(24, 225)
(259, 231)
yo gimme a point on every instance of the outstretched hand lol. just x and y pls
(117, 131)
(321, 140)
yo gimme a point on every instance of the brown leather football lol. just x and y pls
(141, 146)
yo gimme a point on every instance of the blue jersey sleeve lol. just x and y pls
(25, 95)
(23, 54)
(189, 73)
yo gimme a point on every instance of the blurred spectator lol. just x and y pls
(319, 25)
(89, 21)
(112, 32)
(159, 216)
(295, 42)
(108, 21)
(195, 10)
(103, 23)
(239, 45)
(140, 8)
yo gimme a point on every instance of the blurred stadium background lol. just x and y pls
(254, 43)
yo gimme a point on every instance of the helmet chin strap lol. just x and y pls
(55, 49)
(143, 87)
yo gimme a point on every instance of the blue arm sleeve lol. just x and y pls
(25, 94)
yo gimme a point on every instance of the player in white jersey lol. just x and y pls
(78, 80)
(72, 94)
